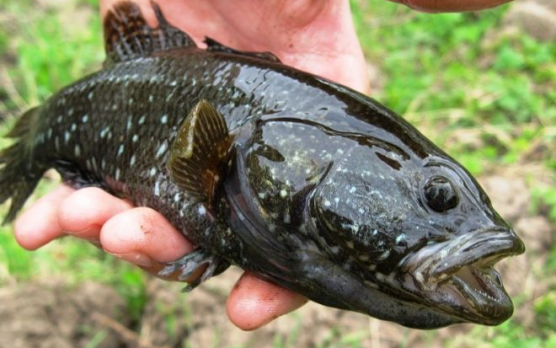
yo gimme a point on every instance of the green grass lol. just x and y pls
(445, 77)
(489, 100)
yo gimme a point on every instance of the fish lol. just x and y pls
(302, 181)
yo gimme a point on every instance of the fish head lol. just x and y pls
(356, 209)
(420, 229)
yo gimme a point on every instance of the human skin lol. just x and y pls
(312, 35)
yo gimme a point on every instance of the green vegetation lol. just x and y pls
(51, 53)
(488, 97)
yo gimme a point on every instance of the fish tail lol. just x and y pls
(19, 171)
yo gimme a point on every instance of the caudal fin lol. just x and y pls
(19, 171)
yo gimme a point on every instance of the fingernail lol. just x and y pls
(135, 257)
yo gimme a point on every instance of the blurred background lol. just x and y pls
(481, 85)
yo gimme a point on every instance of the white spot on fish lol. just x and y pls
(283, 193)
(77, 151)
(90, 95)
(117, 175)
(141, 120)
(132, 161)
(85, 118)
(135, 138)
(164, 119)
(162, 149)
(121, 150)
(153, 171)
(400, 238)
(157, 188)
(326, 203)
(104, 131)
(202, 211)
(67, 136)
(73, 127)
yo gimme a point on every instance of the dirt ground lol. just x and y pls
(54, 315)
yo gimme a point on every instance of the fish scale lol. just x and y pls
(302, 181)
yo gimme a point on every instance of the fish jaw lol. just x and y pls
(457, 276)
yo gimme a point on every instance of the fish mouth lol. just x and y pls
(457, 277)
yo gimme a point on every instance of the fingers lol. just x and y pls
(83, 213)
(254, 302)
(451, 5)
(138, 235)
(144, 237)
(38, 225)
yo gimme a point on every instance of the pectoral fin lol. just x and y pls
(199, 150)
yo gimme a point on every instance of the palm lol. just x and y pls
(313, 35)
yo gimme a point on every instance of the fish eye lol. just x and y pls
(440, 194)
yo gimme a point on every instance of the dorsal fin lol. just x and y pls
(215, 46)
(127, 35)
(200, 147)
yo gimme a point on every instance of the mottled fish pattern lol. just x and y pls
(302, 181)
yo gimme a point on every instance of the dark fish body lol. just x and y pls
(304, 182)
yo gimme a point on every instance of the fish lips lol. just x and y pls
(457, 276)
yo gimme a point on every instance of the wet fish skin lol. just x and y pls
(320, 189)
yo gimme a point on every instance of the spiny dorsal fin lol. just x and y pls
(201, 145)
(127, 35)
(215, 46)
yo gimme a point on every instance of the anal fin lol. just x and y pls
(127, 35)
(189, 265)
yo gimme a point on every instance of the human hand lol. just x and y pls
(312, 35)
